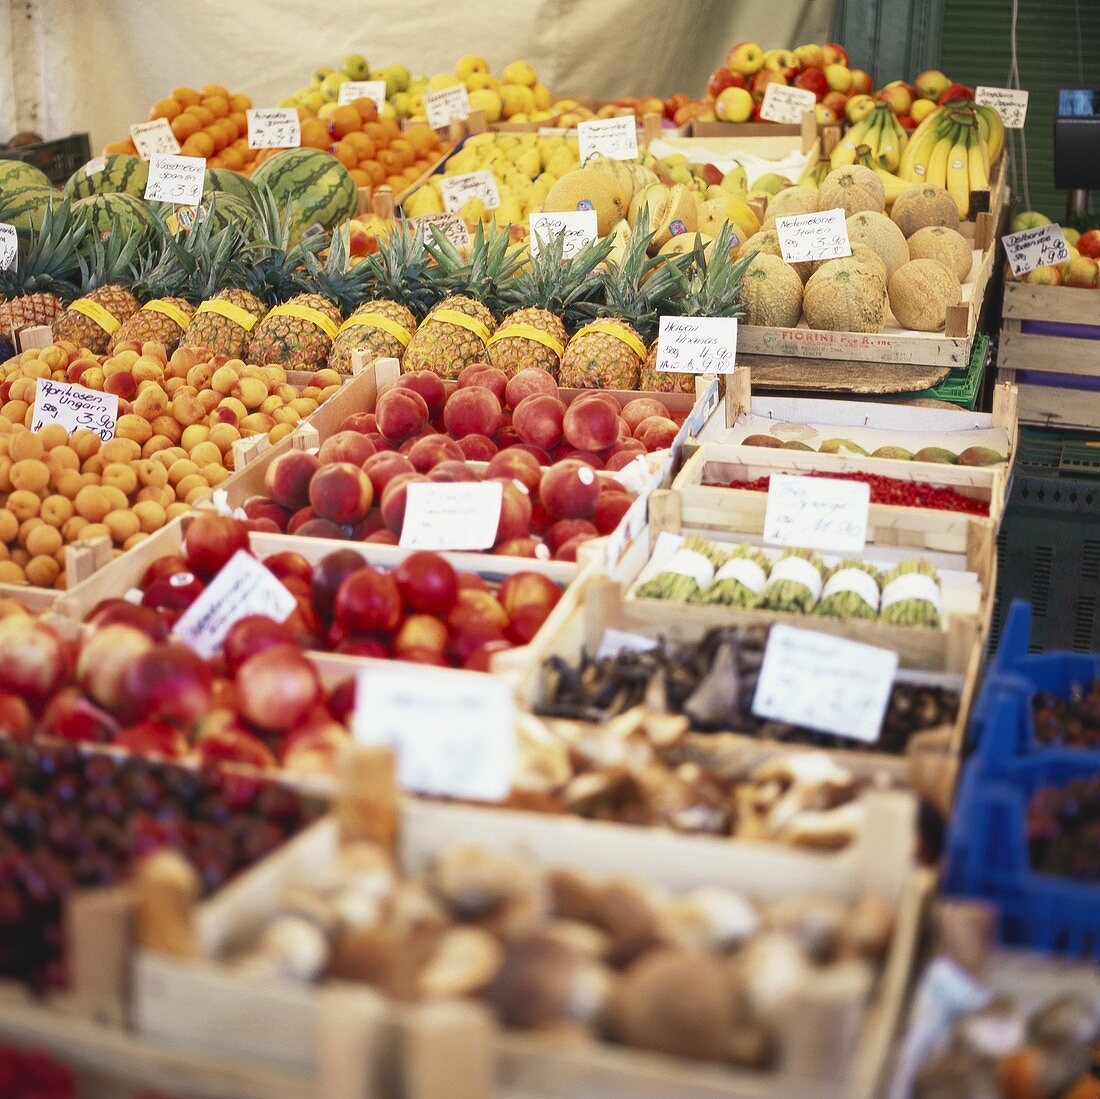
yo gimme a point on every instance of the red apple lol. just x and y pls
(955, 91)
(862, 84)
(761, 81)
(834, 54)
(721, 79)
(813, 80)
(1088, 244)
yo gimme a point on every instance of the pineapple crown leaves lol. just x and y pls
(47, 259)
(399, 270)
(276, 266)
(710, 284)
(485, 274)
(109, 259)
(334, 279)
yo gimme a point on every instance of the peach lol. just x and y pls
(382, 537)
(429, 385)
(567, 551)
(429, 451)
(320, 528)
(527, 382)
(287, 478)
(260, 507)
(363, 422)
(641, 408)
(401, 412)
(564, 529)
(393, 499)
(345, 446)
(452, 471)
(606, 398)
(610, 508)
(121, 384)
(515, 512)
(341, 492)
(473, 410)
(656, 432)
(620, 459)
(383, 466)
(299, 519)
(539, 420)
(477, 448)
(426, 432)
(489, 377)
(521, 547)
(569, 490)
(515, 465)
(590, 425)
(223, 414)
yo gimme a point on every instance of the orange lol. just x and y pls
(413, 173)
(240, 102)
(184, 126)
(241, 119)
(389, 160)
(218, 105)
(123, 147)
(368, 112)
(230, 127)
(345, 154)
(344, 120)
(360, 143)
(186, 96)
(215, 89)
(391, 127)
(165, 108)
(419, 137)
(200, 144)
(215, 162)
(375, 170)
(232, 158)
(361, 178)
(404, 150)
(377, 133)
(226, 130)
(396, 183)
(315, 134)
(204, 115)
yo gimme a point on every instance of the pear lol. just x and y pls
(763, 440)
(936, 454)
(841, 446)
(898, 452)
(795, 444)
(980, 456)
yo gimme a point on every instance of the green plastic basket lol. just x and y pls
(962, 387)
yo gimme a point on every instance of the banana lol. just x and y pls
(995, 134)
(893, 185)
(922, 142)
(873, 135)
(937, 162)
(815, 176)
(891, 143)
(845, 151)
(958, 169)
(977, 165)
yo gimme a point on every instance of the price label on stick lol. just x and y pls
(74, 408)
(177, 179)
(819, 512)
(458, 189)
(1009, 103)
(446, 516)
(813, 236)
(243, 587)
(447, 106)
(697, 345)
(9, 247)
(786, 105)
(614, 138)
(153, 137)
(363, 89)
(274, 128)
(454, 732)
(824, 682)
(576, 227)
(450, 225)
(1033, 248)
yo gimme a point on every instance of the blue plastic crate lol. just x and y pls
(987, 857)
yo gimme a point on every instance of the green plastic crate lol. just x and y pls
(962, 387)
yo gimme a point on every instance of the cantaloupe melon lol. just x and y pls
(870, 258)
(771, 291)
(672, 211)
(882, 236)
(851, 189)
(924, 205)
(766, 242)
(845, 295)
(789, 202)
(920, 292)
(948, 246)
(588, 189)
(620, 172)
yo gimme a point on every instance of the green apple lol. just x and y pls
(1072, 236)
(1027, 219)
(355, 67)
(398, 75)
(320, 75)
(771, 182)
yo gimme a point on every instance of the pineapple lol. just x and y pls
(609, 352)
(547, 293)
(711, 288)
(397, 279)
(222, 322)
(94, 318)
(455, 333)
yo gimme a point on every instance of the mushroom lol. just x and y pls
(687, 799)
(613, 793)
(993, 1031)
(310, 905)
(289, 946)
(582, 939)
(385, 957)
(771, 969)
(1069, 1018)
(535, 983)
(410, 907)
(1041, 1072)
(813, 921)
(366, 869)
(628, 910)
(464, 961)
(827, 830)
(710, 918)
(573, 895)
(957, 1076)
(868, 927)
(476, 883)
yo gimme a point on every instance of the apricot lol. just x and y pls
(5, 473)
(85, 443)
(155, 445)
(175, 510)
(94, 465)
(23, 504)
(251, 392)
(148, 370)
(223, 436)
(117, 497)
(92, 503)
(209, 399)
(205, 453)
(19, 556)
(133, 427)
(29, 474)
(199, 376)
(11, 573)
(72, 528)
(25, 445)
(188, 408)
(167, 426)
(151, 403)
(134, 540)
(188, 485)
(62, 457)
(122, 477)
(53, 435)
(182, 467)
(44, 539)
(16, 411)
(68, 483)
(304, 406)
(93, 531)
(9, 526)
(279, 432)
(149, 472)
(194, 434)
(286, 415)
(26, 527)
(122, 524)
(56, 510)
(150, 515)
(162, 495)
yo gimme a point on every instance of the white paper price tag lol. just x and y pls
(177, 179)
(697, 345)
(96, 164)
(615, 641)
(243, 587)
(153, 137)
(817, 512)
(1033, 248)
(826, 683)
(813, 236)
(454, 732)
(9, 247)
(576, 227)
(274, 128)
(1009, 103)
(363, 89)
(786, 105)
(75, 408)
(460, 516)
(447, 106)
(614, 138)
(458, 189)
(450, 225)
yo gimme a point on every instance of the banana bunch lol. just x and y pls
(815, 174)
(881, 132)
(892, 184)
(954, 148)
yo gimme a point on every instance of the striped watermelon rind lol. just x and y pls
(229, 208)
(25, 207)
(225, 181)
(99, 212)
(120, 175)
(313, 185)
(15, 173)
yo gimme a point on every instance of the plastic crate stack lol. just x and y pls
(987, 849)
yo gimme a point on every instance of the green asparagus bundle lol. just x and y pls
(851, 591)
(690, 570)
(911, 595)
(795, 582)
(739, 581)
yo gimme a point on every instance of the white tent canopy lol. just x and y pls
(98, 65)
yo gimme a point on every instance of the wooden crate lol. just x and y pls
(808, 131)
(1058, 374)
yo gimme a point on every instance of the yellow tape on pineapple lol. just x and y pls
(609, 328)
(527, 332)
(95, 312)
(382, 323)
(240, 317)
(305, 313)
(167, 309)
(471, 324)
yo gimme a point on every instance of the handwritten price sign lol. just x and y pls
(813, 236)
(363, 89)
(446, 106)
(9, 247)
(450, 225)
(1035, 248)
(461, 516)
(177, 179)
(74, 408)
(614, 138)
(274, 128)
(786, 105)
(820, 512)
(458, 189)
(1009, 103)
(697, 345)
(153, 137)
(576, 228)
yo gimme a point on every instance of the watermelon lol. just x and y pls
(14, 173)
(312, 185)
(119, 174)
(226, 208)
(98, 212)
(25, 206)
(226, 181)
